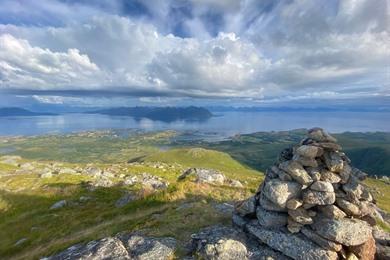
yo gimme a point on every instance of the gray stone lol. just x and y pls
(205, 176)
(309, 151)
(320, 135)
(294, 204)
(20, 241)
(330, 146)
(125, 199)
(353, 189)
(332, 211)
(322, 186)
(322, 242)
(282, 175)
(345, 174)
(132, 246)
(349, 232)
(329, 176)
(59, 204)
(348, 207)
(333, 161)
(246, 207)
(314, 172)
(293, 226)
(268, 218)
(279, 192)
(300, 215)
(269, 205)
(295, 246)
(360, 175)
(296, 171)
(318, 197)
(304, 161)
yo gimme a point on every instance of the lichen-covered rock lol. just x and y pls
(348, 207)
(322, 242)
(297, 172)
(333, 161)
(295, 246)
(322, 186)
(246, 207)
(309, 151)
(332, 211)
(329, 176)
(320, 135)
(301, 216)
(121, 247)
(349, 232)
(294, 204)
(318, 197)
(273, 219)
(269, 205)
(279, 192)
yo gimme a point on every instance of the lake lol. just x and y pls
(223, 124)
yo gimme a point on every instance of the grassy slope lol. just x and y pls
(24, 207)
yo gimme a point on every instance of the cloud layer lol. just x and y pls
(198, 48)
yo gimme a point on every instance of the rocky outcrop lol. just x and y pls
(209, 176)
(226, 243)
(312, 204)
(130, 246)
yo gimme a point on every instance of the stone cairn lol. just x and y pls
(311, 204)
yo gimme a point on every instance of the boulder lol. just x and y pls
(279, 192)
(296, 171)
(226, 243)
(353, 188)
(295, 246)
(131, 246)
(349, 232)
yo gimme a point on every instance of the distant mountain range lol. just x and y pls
(15, 111)
(165, 114)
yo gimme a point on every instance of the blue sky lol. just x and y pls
(167, 52)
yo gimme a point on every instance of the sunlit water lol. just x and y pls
(224, 124)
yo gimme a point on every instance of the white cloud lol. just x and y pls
(262, 50)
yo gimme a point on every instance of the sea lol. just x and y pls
(223, 124)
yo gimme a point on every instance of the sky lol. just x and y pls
(207, 52)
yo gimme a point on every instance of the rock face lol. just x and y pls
(131, 246)
(311, 204)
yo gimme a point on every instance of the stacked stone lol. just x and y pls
(313, 199)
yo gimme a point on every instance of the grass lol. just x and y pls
(25, 200)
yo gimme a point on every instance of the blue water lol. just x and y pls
(225, 124)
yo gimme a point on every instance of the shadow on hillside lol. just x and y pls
(51, 230)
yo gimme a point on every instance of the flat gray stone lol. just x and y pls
(349, 232)
(295, 246)
(273, 219)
